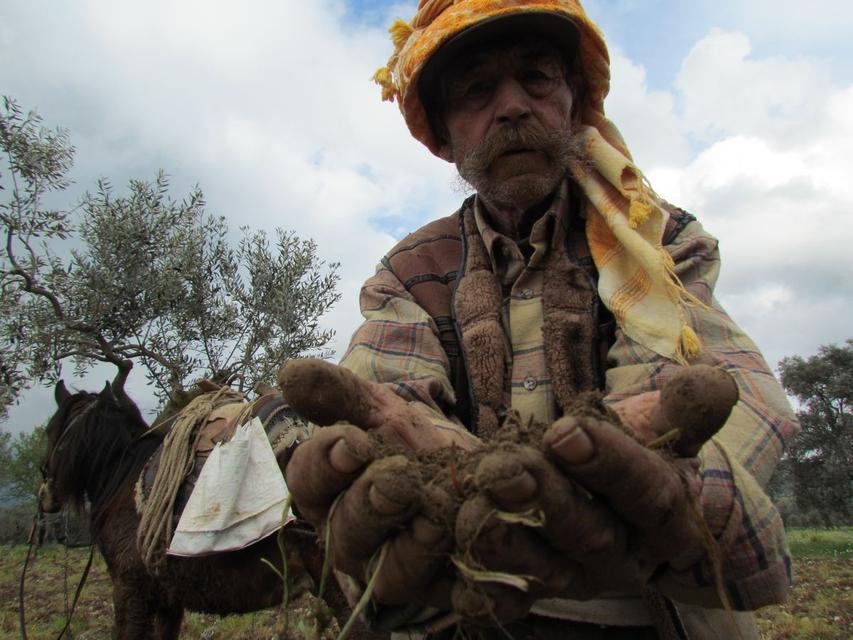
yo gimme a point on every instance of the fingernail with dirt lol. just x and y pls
(569, 441)
(343, 459)
(385, 504)
(505, 479)
(517, 490)
(427, 532)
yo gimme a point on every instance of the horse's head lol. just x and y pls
(69, 409)
(86, 433)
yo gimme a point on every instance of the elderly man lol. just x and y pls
(564, 273)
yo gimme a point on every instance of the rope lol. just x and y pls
(22, 619)
(77, 593)
(38, 520)
(176, 462)
(65, 568)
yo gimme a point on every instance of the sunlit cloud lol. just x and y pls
(269, 107)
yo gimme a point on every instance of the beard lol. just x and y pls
(558, 147)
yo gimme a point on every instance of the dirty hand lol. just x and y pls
(655, 497)
(364, 503)
(601, 511)
(533, 519)
(531, 532)
(326, 394)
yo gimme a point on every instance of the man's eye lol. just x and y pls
(472, 95)
(476, 90)
(537, 82)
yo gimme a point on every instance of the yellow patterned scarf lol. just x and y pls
(625, 222)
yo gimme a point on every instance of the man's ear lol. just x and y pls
(442, 135)
(577, 85)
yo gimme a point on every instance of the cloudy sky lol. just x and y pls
(740, 111)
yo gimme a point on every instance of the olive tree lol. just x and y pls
(142, 278)
(820, 459)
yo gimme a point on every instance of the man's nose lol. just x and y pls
(512, 102)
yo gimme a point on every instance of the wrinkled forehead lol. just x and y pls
(483, 57)
(502, 56)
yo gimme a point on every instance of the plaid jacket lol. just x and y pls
(411, 340)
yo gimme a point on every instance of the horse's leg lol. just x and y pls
(167, 622)
(119, 612)
(134, 609)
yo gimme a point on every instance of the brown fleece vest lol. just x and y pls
(446, 269)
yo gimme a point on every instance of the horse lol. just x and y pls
(97, 445)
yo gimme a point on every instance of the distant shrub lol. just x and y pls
(16, 522)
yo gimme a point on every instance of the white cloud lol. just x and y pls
(758, 147)
(770, 178)
(726, 92)
(269, 108)
(800, 22)
(647, 119)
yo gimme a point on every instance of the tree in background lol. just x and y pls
(820, 459)
(22, 476)
(5, 463)
(142, 278)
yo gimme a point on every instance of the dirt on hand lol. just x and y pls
(448, 490)
(696, 402)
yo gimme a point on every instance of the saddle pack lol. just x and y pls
(211, 419)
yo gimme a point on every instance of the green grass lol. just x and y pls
(822, 543)
(820, 606)
(52, 577)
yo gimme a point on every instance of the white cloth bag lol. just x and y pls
(238, 499)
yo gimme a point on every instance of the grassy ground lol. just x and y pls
(820, 607)
(822, 543)
(52, 579)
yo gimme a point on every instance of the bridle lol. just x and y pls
(45, 493)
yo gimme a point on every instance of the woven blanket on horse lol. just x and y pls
(217, 476)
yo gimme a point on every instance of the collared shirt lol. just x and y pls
(527, 383)
(402, 345)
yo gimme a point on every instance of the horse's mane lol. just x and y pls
(96, 446)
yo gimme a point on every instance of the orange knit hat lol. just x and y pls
(438, 22)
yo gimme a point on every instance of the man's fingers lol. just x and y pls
(325, 465)
(497, 565)
(523, 480)
(387, 506)
(418, 554)
(695, 402)
(489, 540)
(488, 603)
(636, 413)
(325, 393)
(636, 482)
(505, 564)
(379, 503)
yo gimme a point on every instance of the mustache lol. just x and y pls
(529, 136)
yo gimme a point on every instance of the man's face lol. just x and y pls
(507, 114)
